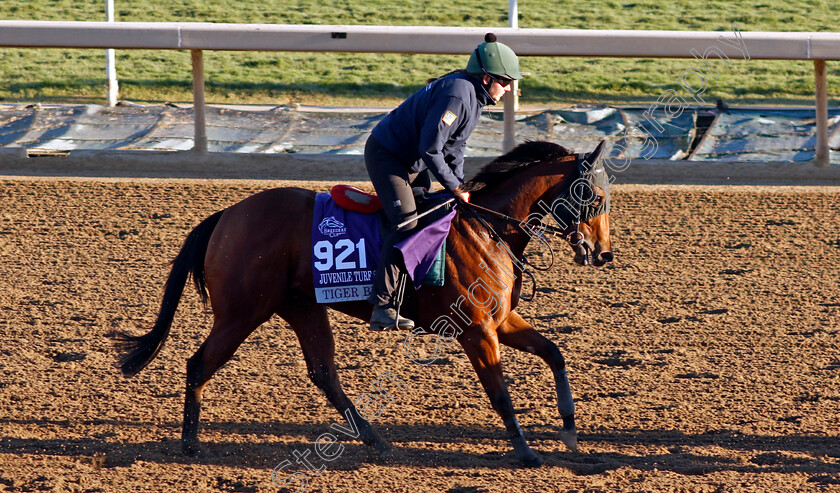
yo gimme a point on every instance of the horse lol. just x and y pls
(254, 259)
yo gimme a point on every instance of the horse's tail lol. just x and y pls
(139, 351)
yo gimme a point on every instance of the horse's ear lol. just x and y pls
(592, 159)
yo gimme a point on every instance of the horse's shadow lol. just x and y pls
(102, 449)
(805, 454)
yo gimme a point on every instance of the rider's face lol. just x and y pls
(497, 87)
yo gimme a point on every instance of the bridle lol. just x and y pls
(539, 233)
(572, 234)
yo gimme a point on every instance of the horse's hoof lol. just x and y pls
(532, 461)
(192, 449)
(387, 456)
(569, 439)
(381, 453)
(383, 449)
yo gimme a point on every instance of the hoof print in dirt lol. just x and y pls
(824, 479)
(693, 374)
(61, 357)
(618, 358)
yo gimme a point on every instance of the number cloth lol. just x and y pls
(346, 248)
(345, 251)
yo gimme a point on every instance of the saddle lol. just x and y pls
(354, 199)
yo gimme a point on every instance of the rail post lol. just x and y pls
(110, 63)
(199, 116)
(822, 157)
(512, 97)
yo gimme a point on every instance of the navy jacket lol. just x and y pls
(431, 127)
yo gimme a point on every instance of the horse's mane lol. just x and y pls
(520, 157)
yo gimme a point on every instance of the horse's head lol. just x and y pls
(583, 209)
(523, 180)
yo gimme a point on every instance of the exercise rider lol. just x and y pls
(428, 131)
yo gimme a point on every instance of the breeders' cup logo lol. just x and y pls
(332, 227)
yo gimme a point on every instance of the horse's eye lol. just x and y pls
(598, 200)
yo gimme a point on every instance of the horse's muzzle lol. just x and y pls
(602, 258)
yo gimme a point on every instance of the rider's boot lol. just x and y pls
(385, 318)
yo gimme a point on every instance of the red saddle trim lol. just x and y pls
(354, 199)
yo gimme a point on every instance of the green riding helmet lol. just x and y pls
(493, 58)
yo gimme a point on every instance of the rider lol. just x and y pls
(428, 131)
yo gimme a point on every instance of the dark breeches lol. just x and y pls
(393, 184)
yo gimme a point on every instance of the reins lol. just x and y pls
(471, 209)
(575, 237)
(509, 219)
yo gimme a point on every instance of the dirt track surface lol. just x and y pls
(704, 359)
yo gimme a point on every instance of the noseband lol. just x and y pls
(575, 237)
(578, 200)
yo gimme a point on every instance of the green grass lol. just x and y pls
(54, 75)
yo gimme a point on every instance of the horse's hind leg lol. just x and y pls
(518, 334)
(482, 348)
(223, 341)
(310, 322)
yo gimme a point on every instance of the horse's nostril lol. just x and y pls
(607, 256)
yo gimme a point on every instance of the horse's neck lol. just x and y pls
(521, 196)
(517, 204)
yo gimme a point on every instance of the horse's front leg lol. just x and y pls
(518, 334)
(482, 348)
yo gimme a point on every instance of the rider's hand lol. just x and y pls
(462, 195)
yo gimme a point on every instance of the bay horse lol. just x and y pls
(255, 260)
